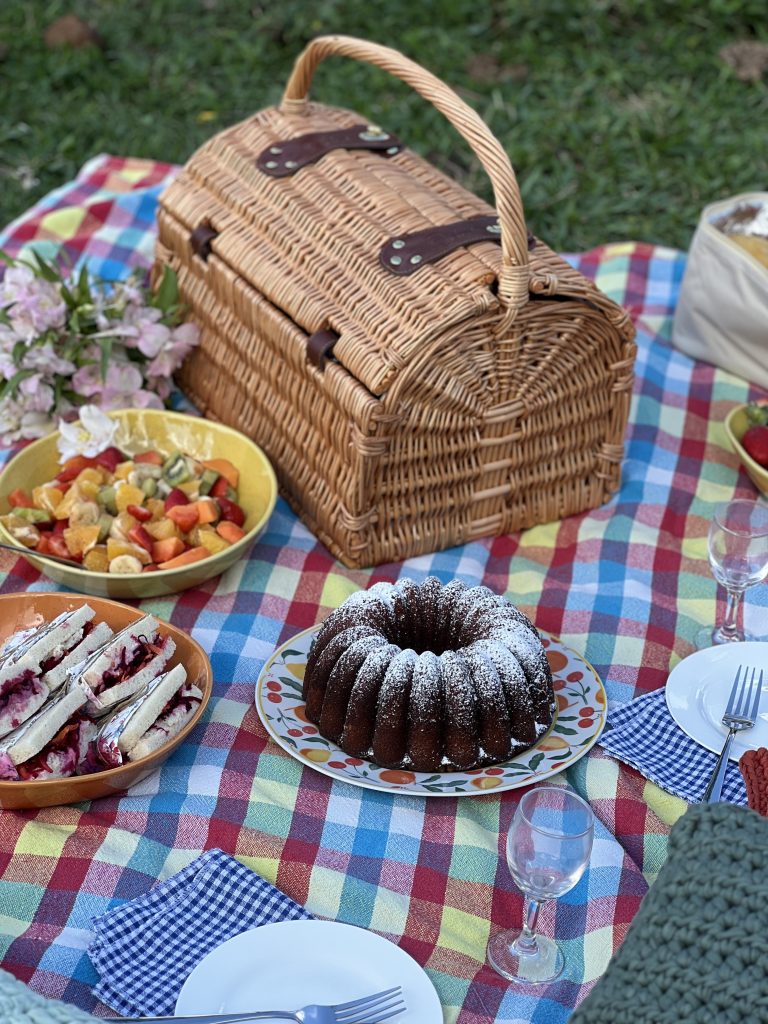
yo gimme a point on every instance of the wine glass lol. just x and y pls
(548, 848)
(738, 554)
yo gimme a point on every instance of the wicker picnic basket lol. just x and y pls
(419, 368)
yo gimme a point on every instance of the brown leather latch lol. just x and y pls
(201, 239)
(284, 158)
(406, 253)
(319, 347)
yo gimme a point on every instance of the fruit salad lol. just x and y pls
(119, 513)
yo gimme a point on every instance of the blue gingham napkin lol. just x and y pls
(145, 949)
(644, 735)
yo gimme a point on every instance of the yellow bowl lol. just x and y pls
(21, 611)
(167, 431)
(736, 426)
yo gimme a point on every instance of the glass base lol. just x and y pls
(536, 968)
(713, 636)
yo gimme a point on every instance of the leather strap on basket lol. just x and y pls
(284, 158)
(200, 240)
(406, 253)
(513, 276)
(319, 347)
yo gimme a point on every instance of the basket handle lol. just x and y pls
(513, 277)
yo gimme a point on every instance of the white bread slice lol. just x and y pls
(99, 636)
(150, 704)
(30, 737)
(168, 725)
(25, 653)
(126, 643)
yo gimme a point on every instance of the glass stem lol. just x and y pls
(525, 943)
(730, 626)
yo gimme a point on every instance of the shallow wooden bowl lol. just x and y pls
(20, 611)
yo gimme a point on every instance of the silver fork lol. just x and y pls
(740, 713)
(373, 1009)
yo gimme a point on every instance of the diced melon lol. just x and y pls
(128, 495)
(165, 550)
(116, 548)
(80, 539)
(207, 510)
(187, 558)
(96, 559)
(230, 531)
(225, 468)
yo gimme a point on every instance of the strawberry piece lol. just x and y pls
(140, 536)
(20, 499)
(153, 458)
(175, 497)
(220, 488)
(755, 444)
(110, 458)
(58, 546)
(73, 467)
(60, 526)
(139, 512)
(231, 511)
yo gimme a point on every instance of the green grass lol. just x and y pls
(620, 118)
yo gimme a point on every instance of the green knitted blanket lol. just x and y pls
(695, 952)
(19, 1005)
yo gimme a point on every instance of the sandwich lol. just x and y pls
(152, 718)
(124, 665)
(35, 662)
(52, 743)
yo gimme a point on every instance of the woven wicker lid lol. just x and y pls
(311, 242)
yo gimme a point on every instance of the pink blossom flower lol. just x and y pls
(34, 305)
(37, 395)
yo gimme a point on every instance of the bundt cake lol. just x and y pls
(429, 677)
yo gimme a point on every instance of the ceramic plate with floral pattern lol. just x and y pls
(580, 717)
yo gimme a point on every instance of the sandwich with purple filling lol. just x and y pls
(34, 662)
(124, 665)
(153, 717)
(52, 743)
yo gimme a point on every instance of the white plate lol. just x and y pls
(291, 964)
(698, 688)
(579, 720)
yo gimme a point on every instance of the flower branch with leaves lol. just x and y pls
(70, 341)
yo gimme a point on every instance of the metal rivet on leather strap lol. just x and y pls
(291, 164)
(275, 149)
(398, 243)
(271, 164)
(495, 229)
(395, 260)
(393, 149)
(416, 258)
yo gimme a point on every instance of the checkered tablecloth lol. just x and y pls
(627, 585)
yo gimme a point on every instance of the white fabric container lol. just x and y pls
(722, 310)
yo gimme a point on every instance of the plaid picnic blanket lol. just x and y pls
(627, 585)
